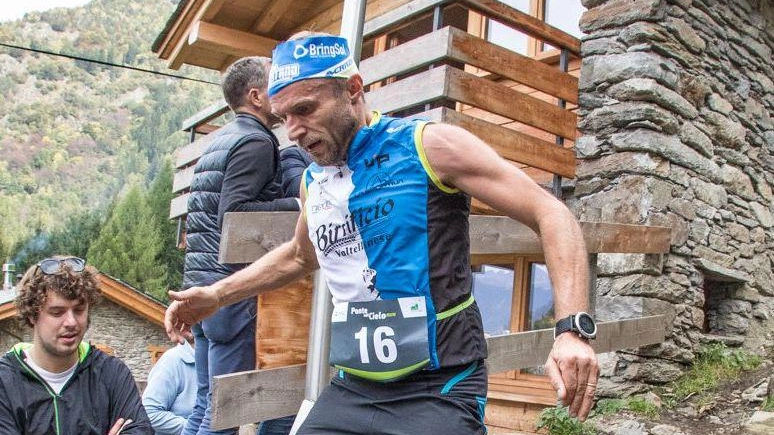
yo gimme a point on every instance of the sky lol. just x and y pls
(13, 10)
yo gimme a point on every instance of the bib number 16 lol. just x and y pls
(384, 347)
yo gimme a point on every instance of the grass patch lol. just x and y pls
(558, 422)
(714, 363)
(768, 404)
(635, 405)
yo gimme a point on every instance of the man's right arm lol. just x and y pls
(283, 265)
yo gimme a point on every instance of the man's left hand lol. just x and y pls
(573, 371)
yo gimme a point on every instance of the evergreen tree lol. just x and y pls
(159, 196)
(130, 245)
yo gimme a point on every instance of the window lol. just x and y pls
(562, 14)
(493, 290)
(514, 294)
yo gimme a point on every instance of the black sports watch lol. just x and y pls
(581, 323)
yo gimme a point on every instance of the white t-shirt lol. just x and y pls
(55, 380)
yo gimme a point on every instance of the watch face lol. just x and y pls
(586, 324)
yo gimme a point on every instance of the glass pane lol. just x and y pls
(564, 15)
(493, 290)
(541, 298)
(506, 37)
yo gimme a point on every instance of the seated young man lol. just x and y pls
(59, 384)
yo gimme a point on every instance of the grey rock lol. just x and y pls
(643, 89)
(696, 139)
(719, 104)
(618, 13)
(619, 67)
(737, 182)
(686, 35)
(668, 147)
(629, 115)
(763, 214)
(611, 165)
(665, 429)
(761, 422)
(625, 264)
(712, 194)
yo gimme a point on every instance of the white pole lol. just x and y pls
(352, 20)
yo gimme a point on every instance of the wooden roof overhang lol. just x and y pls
(120, 293)
(214, 33)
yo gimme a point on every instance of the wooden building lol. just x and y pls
(508, 72)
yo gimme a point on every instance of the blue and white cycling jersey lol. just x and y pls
(384, 226)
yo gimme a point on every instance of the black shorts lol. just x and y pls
(448, 401)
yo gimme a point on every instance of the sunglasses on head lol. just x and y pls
(52, 266)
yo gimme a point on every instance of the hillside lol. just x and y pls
(74, 134)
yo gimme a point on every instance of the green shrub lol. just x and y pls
(558, 422)
(715, 362)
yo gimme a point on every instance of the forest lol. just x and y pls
(86, 147)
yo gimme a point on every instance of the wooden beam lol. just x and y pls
(132, 300)
(446, 82)
(190, 153)
(205, 115)
(179, 206)
(219, 39)
(497, 98)
(510, 144)
(182, 179)
(259, 395)
(530, 349)
(249, 235)
(270, 16)
(179, 53)
(454, 44)
(398, 16)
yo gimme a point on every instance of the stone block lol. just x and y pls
(626, 114)
(612, 165)
(712, 194)
(696, 139)
(625, 264)
(668, 147)
(702, 252)
(618, 13)
(699, 231)
(626, 307)
(642, 89)
(737, 182)
(763, 214)
(727, 132)
(602, 46)
(619, 67)
(642, 31)
(587, 147)
(720, 273)
(719, 104)
(761, 422)
(683, 208)
(686, 35)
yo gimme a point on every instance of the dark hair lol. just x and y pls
(34, 287)
(244, 74)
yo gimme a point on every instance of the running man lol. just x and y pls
(385, 215)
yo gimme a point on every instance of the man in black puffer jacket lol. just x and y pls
(59, 384)
(239, 171)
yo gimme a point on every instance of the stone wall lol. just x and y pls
(676, 103)
(126, 333)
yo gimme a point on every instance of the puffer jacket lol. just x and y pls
(202, 226)
(100, 392)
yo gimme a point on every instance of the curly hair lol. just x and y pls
(34, 287)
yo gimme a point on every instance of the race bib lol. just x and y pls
(380, 340)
